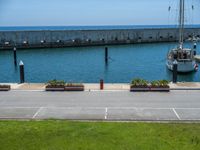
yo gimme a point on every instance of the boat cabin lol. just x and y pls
(181, 54)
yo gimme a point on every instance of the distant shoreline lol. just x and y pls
(109, 27)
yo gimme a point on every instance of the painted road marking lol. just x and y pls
(190, 114)
(17, 112)
(38, 111)
(74, 114)
(177, 115)
(141, 114)
(106, 113)
(97, 107)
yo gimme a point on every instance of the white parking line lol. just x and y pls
(62, 107)
(177, 115)
(106, 113)
(38, 111)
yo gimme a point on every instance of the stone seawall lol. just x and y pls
(72, 38)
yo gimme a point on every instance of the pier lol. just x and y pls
(73, 38)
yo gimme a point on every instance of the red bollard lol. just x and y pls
(101, 84)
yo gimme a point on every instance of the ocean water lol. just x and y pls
(86, 64)
(36, 28)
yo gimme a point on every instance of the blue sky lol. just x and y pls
(93, 12)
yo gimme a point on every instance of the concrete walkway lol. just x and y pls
(101, 105)
(88, 86)
(185, 86)
(92, 87)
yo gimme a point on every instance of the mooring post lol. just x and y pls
(106, 54)
(195, 46)
(15, 55)
(21, 68)
(101, 84)
(175, 67)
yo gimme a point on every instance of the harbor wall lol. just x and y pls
(72, 38)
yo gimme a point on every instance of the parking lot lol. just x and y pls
(106, 105)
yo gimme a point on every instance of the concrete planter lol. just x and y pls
(140, 89)
(74, 88)
(150, 89)
(5, 87)
(64, 88)
(49, 88)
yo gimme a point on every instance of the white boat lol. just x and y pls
(183, 57)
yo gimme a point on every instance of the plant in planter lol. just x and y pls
(74, 87)
(164, 83)
(139, 85)
(5, 87)
(155, 84)
(55, 85)
(160, 85)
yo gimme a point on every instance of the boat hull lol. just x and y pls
(183, 66)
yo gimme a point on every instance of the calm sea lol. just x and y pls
(86, 64)
(33, 28)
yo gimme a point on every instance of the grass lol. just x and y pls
(66, 135)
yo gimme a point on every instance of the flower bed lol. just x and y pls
(140, 85)
(5, 87)
(55, 88)
(161, 86)
(55, 85)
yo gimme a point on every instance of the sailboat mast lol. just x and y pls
(181, 22)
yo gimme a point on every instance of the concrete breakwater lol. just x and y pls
(72, 38)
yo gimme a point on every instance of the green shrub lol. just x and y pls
(164, 82)
(155, 83)
(144, 83)
(160, 83)
(56, 82)
(139, 82)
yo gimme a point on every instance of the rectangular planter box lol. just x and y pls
(140, 89)
(74, 88)
(150, 89)
(160, 89)
(54, 89)
(5, 87)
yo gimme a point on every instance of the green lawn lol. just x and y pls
(66, 135)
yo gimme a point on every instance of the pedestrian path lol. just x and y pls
(107, 86)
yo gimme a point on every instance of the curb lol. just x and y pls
(185, 89)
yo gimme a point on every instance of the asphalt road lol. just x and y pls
(105, 105)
